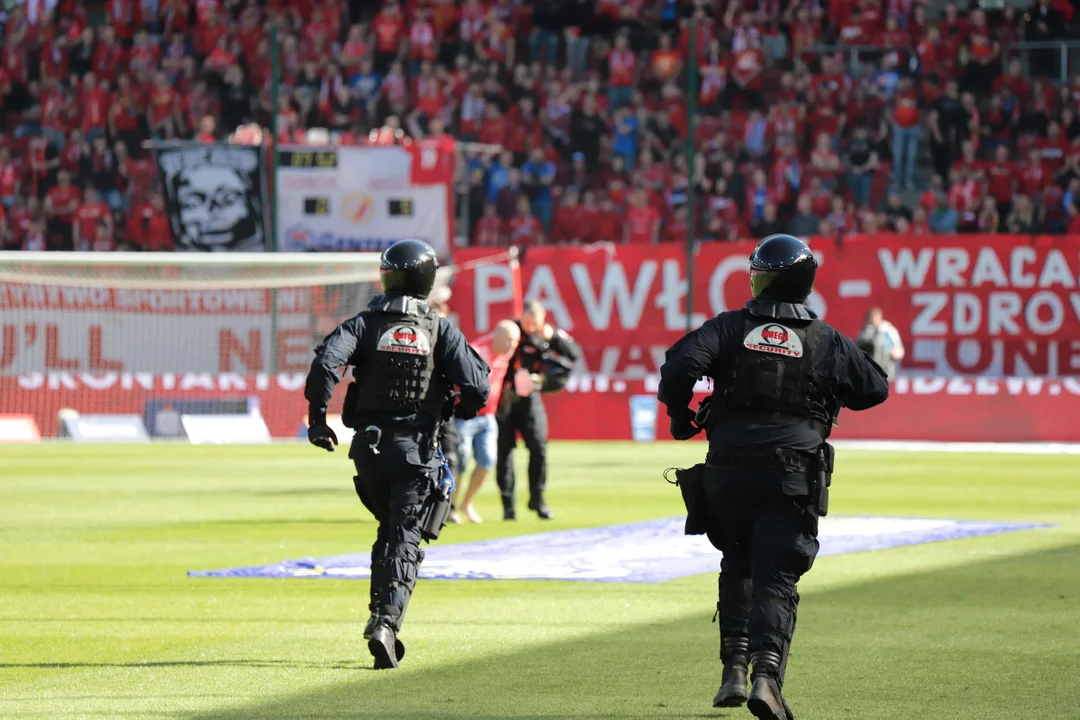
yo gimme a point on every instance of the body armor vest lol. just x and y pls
(772, 380)
(395, 372)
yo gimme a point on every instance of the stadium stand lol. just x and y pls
(823, 117)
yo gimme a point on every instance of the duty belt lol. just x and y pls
(788, 459)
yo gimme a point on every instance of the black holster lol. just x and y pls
(821, 478)
(348, 407)
(433, 515)
(691, 483)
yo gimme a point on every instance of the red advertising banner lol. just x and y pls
(592, 408)
(995, 306)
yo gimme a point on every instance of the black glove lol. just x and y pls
(682, 424)
(465, 412)
(323, 436)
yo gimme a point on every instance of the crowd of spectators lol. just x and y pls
(818, 117)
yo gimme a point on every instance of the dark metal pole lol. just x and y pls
(691, 156)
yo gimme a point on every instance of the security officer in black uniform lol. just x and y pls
(406, 362)
(547, 355)
(780, 378)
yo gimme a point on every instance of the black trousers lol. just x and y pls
(769, 540)
(393, 485)
(527, 417)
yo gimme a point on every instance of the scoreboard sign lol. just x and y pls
(365, 198)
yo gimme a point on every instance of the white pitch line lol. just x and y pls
(1013, 448)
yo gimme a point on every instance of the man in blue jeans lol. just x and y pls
(480, 435)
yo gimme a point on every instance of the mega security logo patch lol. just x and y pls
(775, 339)
(405, 339)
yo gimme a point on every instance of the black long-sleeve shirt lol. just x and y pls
(457, 362)
(854, 379)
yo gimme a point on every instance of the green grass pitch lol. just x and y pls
(98, 620)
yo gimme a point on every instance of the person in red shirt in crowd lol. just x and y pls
(35, 239)
(1051, 211)
(1033, 176)
(148, 225)
(125, 16)
(109, 57)
(984, 55)
(622, 73)
(568, 224)
(590, 211)
(677, 228)
(353, 52)
(124, 112)
(642, 220)
(90, 214)
(906, 129)
(1053, 148)
(1001, 180)
(494, 128)
(747, 81)
(10, 178)
(967, 162)
(61, 202)
(20, 216)
(490, 229)
(524, 131)
(1013, 85)
(208, 130)
(145, 56)
(965, 196)
(389, 29)
(607, 222)
(104, 239)
(95, 103)
(824, 160)
(523, 229)
(423, 42)
(162, 108)
(665, 63)
(480, 434)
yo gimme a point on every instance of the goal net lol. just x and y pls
(136, 346)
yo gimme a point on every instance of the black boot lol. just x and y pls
(736, 659)
(766, 702)
(541, 509)
(385, 647)
(372, 623)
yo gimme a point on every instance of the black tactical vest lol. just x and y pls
(771, 378)
(395, 372)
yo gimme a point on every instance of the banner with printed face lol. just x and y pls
(215, 196)
(993, 306)
(364, 198)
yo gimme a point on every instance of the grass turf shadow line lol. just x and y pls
(935, 639)
(343, 665)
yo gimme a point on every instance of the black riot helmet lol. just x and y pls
(408, 267)
(782, 269)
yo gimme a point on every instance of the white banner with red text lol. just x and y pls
(343, 199)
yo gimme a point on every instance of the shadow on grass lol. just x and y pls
(960, 643)
(340, 665)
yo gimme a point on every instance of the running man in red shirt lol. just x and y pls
(480, 435)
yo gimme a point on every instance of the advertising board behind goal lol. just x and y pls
(363, 198)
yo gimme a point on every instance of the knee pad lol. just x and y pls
(403, 561)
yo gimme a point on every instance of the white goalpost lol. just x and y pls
(134, 346)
